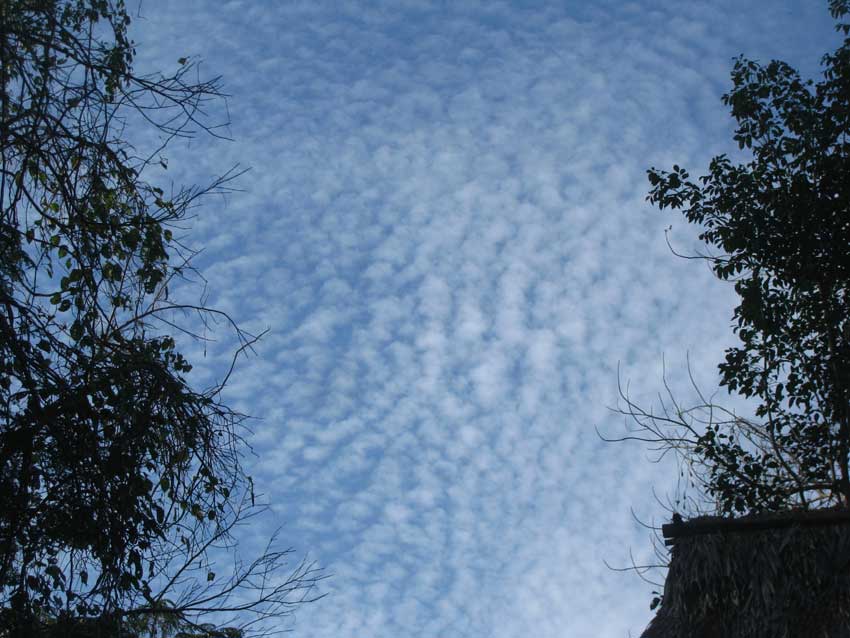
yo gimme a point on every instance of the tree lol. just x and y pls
(779, 227)
(118, 481)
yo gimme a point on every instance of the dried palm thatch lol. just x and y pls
(769, 576)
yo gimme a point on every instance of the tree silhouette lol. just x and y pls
(119, 482)
(778, 226)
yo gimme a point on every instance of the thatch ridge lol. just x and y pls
(789, 580)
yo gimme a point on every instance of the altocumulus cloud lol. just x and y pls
(445, 229)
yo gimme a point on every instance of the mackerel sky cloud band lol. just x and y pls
(444, 227)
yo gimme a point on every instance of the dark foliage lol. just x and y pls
(115, 475)
(779, 227)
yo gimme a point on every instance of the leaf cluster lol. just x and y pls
(778, 226)
(113, 468)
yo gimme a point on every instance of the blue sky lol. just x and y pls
(444, 229)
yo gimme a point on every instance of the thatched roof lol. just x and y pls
(783, 575)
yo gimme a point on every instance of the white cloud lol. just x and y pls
(444, 228)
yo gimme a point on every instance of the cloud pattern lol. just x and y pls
(445, 229)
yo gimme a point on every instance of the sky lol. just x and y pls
(444, 230)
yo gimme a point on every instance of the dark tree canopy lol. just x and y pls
(779, 227)
(116, 477)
